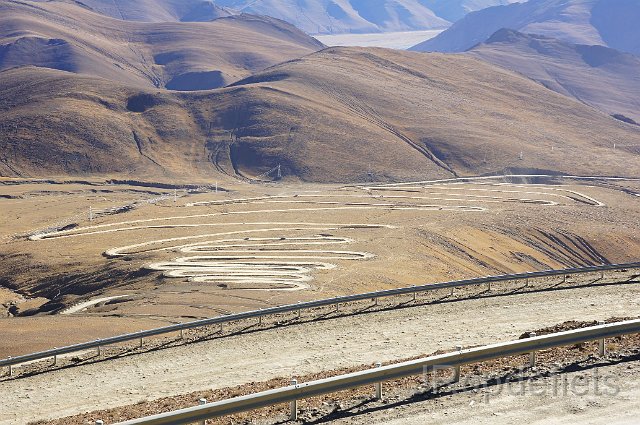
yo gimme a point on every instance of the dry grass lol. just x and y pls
(422, 246)
(337, 115)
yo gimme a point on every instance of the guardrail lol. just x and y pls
(307, 305)
(384, 373)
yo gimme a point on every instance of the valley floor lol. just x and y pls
(391, 40)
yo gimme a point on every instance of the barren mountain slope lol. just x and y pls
(180, 56)
(597, 75)
(603, 22)
(344, 16)
(362, 16)
(157, 10)
(342, 114)
(454, 10)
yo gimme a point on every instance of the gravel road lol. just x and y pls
(571, 398)
(306, 348)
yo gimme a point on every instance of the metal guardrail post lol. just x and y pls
(10, 369)
(414, 293)
(99, 350)
(532, 355)
(294, 405)
(375, 301)
(378, 385)
(456, 369)
(55, 357)
(489, 286)
(181, 333)
(602, 351)
(202, 402)
(452, 291)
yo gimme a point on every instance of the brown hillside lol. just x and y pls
(345, 111)
(180, 56)
(343, 114)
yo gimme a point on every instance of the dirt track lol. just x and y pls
(332, 344)
(535, 404)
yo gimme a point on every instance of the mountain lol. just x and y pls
(344, 16)
(599, 76)
(335, 115)
(180, 56)
(454, 10)
(611, 23)
(313, 16)
(157, 10)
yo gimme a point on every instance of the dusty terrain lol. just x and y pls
(297, 350)
(567, 384)
(199, 254)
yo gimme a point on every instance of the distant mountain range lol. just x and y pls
(312, 16)
(599, 76)
(611, 23)
(362, 16)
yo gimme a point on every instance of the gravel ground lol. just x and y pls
(298, 350)
(565, 383)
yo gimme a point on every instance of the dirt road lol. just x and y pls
(557, 400)
(311, 347)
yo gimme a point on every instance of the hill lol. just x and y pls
(342, 114)
(157, 10)
(591, 22)
(599, 76)
(180, 56)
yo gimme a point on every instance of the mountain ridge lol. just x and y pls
(589, 22)
(596, 75)
(337, 115)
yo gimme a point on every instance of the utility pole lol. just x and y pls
(279, 176)
(90, 214)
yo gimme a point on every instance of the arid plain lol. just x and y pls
(79, 255)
